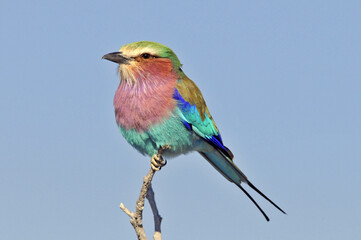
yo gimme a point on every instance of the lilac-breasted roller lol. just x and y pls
(157, 104)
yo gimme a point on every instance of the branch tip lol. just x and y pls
(146, 192)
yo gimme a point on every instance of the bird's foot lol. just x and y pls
(157, 162)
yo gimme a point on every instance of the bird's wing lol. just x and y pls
(196, 116)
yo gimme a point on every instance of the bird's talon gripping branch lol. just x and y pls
(154, 167)
(157, 162)
(164, 162)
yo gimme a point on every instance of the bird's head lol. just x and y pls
(139, 61)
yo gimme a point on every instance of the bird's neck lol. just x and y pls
(146, 101)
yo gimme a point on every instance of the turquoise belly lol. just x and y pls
(171, 131)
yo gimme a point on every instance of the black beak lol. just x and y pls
(116, 57)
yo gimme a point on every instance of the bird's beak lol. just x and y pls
(116, 57)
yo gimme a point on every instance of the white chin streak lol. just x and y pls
(126, 75)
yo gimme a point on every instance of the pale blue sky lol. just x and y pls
(281, 78)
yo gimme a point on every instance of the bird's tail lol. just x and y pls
(230, 171)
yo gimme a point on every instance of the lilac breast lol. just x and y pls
(146, 103)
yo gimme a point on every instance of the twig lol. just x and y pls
(136, 219)
(157, 218)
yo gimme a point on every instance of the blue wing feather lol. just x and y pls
(193, 122)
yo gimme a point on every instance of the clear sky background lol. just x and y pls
(281, 78)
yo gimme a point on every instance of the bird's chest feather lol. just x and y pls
(170, 131)
(141, 105)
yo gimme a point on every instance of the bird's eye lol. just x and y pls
(145, 55)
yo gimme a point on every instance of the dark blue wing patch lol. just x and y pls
(214, 140)
(187, 125)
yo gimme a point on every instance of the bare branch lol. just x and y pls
(126, 210)
(157, 218)
(136, 219)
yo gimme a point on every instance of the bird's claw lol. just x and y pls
(157, 162)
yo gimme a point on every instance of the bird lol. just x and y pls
(156, 104)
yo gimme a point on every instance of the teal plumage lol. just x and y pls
(157, 104)
(170, 131)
